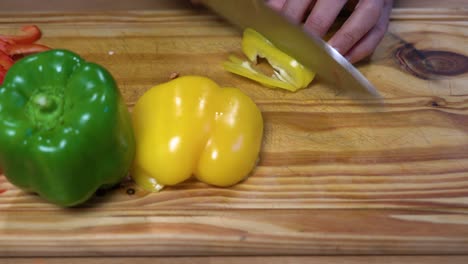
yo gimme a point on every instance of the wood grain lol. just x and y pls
(337, 176)
(250, 260)
(114, 5)
(28, 6)
(128, 231)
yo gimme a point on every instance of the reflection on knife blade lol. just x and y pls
(310, 50)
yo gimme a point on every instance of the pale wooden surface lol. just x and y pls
(89, 5)
(337, 176)
(248, 260)
(113, 5)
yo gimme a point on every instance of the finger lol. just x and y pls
(369, 43)
(362, 20)
(276, 4)
(296, 10)
(322, 16)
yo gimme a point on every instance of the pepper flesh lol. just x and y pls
(11, 46)
(5, 63)
(18, 49)
(32, 34)
(191, 126)
(288, 74)
(64, 128)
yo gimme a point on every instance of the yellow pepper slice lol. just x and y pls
(191, 126)
(243, 68)
(288, 74)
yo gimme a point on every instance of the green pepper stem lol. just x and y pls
(45, 103)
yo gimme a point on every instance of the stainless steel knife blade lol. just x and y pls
(308, 49)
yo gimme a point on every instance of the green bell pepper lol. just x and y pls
(65, 130)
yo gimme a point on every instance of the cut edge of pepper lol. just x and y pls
(288, 73)
(245, 69)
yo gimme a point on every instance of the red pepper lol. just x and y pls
(17, 49)
(5, 60)
(3, 45)
(12, 46)
(5, 63)
(33, 33)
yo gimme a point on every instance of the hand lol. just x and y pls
(357, 38)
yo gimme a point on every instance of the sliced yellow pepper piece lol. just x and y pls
(243, 68)
(288, 74)
(191, 126)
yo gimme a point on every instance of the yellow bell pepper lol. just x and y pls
(288, 74)
(191, 126)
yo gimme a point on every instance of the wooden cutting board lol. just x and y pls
(337, 175)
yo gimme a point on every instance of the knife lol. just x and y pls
(308, 49)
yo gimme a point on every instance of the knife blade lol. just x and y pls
(308, 49)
